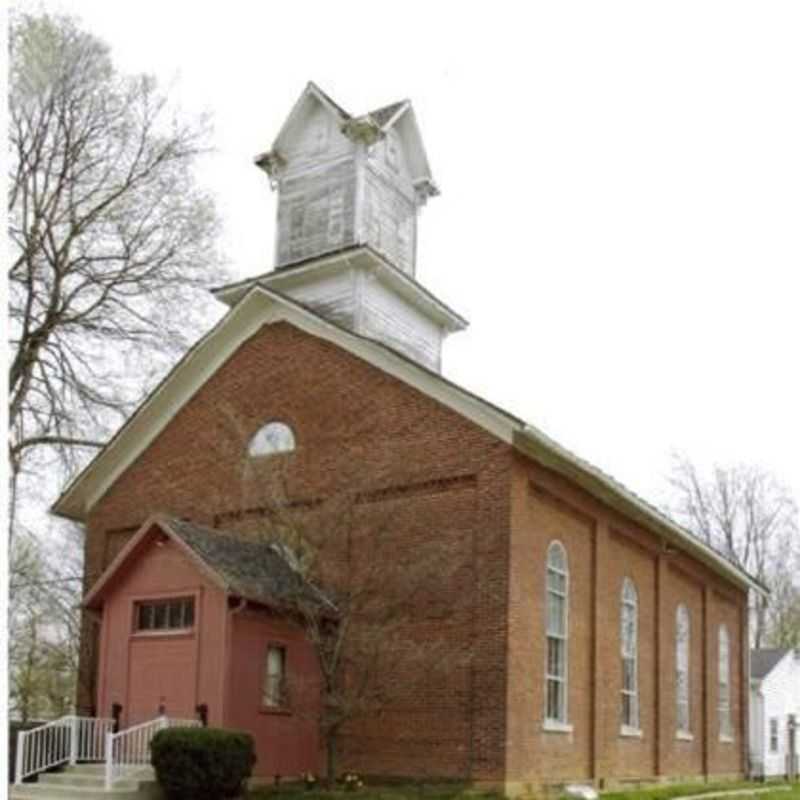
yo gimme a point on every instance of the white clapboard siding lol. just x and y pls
(339, 193)
(389, 318)
(776, 697)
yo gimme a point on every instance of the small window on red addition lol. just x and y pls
(274, 687)
(165, 615)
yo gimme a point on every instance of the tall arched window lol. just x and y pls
(557, 603)
(629, 635)
(682, 642)
(274, 437)
(724, 702)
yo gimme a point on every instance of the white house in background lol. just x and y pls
(774, 712)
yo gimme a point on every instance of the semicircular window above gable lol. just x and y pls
(272, 438)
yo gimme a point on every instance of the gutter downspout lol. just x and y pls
(227, 634)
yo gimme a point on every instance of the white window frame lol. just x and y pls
(774, 735)
(724, 686)
(683, 666)
(557, 565)
(629, 652)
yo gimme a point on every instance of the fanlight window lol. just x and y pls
(274, 437)
(682, 641)
(725, 725)
(629, 634)
(557, 602)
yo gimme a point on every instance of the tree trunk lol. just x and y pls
(331, 755)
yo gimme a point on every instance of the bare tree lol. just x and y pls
(377, 591)
(44, 616)
(783, 611)
(745, 514)
(110, 238)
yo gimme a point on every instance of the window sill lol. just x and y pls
(554, 726)
(631, 733)
(684, 736)
(280, 711)
(167, 633)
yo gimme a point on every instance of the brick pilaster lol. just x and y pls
(662, 721)
(707, 711)
(601, 657)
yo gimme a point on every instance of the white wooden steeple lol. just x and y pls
(349, 192)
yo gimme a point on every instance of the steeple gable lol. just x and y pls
(345, 180)
(349, 193)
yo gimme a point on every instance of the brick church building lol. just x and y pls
(589, 638)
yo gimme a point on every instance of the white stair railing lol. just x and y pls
(129, 750)
(64, 740)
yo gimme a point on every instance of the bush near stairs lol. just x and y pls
(202, 763)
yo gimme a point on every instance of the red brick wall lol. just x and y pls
(355, 425)
(493, 511)
(604, 548)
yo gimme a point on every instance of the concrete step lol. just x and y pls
(86, 769)
(49, 791)
(87, 782)
(143, 773)
(90, 780)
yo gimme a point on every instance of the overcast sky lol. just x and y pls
(620, 207)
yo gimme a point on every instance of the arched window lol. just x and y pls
(724, 702)
(682, 642)
(274, 437)
(557, 604)
(629, 635)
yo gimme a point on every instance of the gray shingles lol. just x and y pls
(249, 568)
(762, 662)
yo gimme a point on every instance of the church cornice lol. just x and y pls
(354, 257)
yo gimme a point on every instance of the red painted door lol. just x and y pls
(162, 673)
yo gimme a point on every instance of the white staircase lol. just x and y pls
(118, 763)
(87, 782)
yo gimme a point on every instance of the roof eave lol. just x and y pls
(451, 320)
(160, 521)
(544, 450)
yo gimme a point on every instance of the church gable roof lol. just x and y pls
(242, 566)
(261, 306)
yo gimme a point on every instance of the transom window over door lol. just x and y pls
(682, 642)
(724, 704)
(629, 635)
(164, 615)
(557, 606)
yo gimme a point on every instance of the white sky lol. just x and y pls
(620, 209)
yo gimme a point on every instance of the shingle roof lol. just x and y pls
(762, 662)
(252, 569)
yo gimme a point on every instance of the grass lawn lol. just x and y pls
(400, 791)
(457, 791)
(668, 792)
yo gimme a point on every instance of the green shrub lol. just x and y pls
(202, 763)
